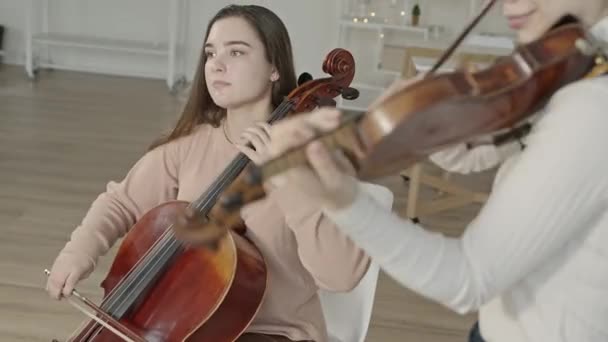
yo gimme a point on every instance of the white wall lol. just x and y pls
(146, 20)
(11, 14)
(312, 25)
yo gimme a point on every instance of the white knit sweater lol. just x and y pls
(534, 262)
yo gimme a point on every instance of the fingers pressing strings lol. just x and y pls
(256, 136)
(265, 129)
(317, 124)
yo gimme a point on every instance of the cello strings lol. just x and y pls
(236, 166)
(168, 245)
(165, 243)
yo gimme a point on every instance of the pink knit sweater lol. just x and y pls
(303, 250)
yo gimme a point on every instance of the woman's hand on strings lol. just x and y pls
(330, 176)
(259, 137)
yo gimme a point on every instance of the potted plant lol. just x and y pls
(415, 15)
(1, 36)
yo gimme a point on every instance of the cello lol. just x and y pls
(159, 289)
(437, 111)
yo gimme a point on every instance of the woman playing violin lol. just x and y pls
(245, 71)
(533, 262)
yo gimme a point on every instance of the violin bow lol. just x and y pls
(98, 310)
(450, 51)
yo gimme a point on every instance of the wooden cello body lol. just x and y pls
(159, 289)
(205, 294)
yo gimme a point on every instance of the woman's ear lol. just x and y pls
(274, 76)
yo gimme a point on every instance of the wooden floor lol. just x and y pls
(63, 137)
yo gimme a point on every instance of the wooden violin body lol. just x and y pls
(438, 111)
(159, 289)
(451, 108)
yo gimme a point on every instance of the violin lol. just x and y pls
(438, 111)
(159, 289)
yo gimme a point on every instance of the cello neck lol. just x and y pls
(206, 201)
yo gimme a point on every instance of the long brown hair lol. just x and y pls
(200, 108)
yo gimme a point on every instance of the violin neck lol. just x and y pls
(344, 140)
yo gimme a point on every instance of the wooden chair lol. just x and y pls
(450, 194)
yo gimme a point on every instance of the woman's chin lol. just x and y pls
(222, 103)
(528, 36)
(232, 104)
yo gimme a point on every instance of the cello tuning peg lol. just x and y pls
(350, 94)
(326, 102)
(303, 78)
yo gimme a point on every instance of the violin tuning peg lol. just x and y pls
(585, 47)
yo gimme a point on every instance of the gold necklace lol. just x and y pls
(224, 126)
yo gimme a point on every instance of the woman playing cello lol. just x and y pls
(245, 71)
